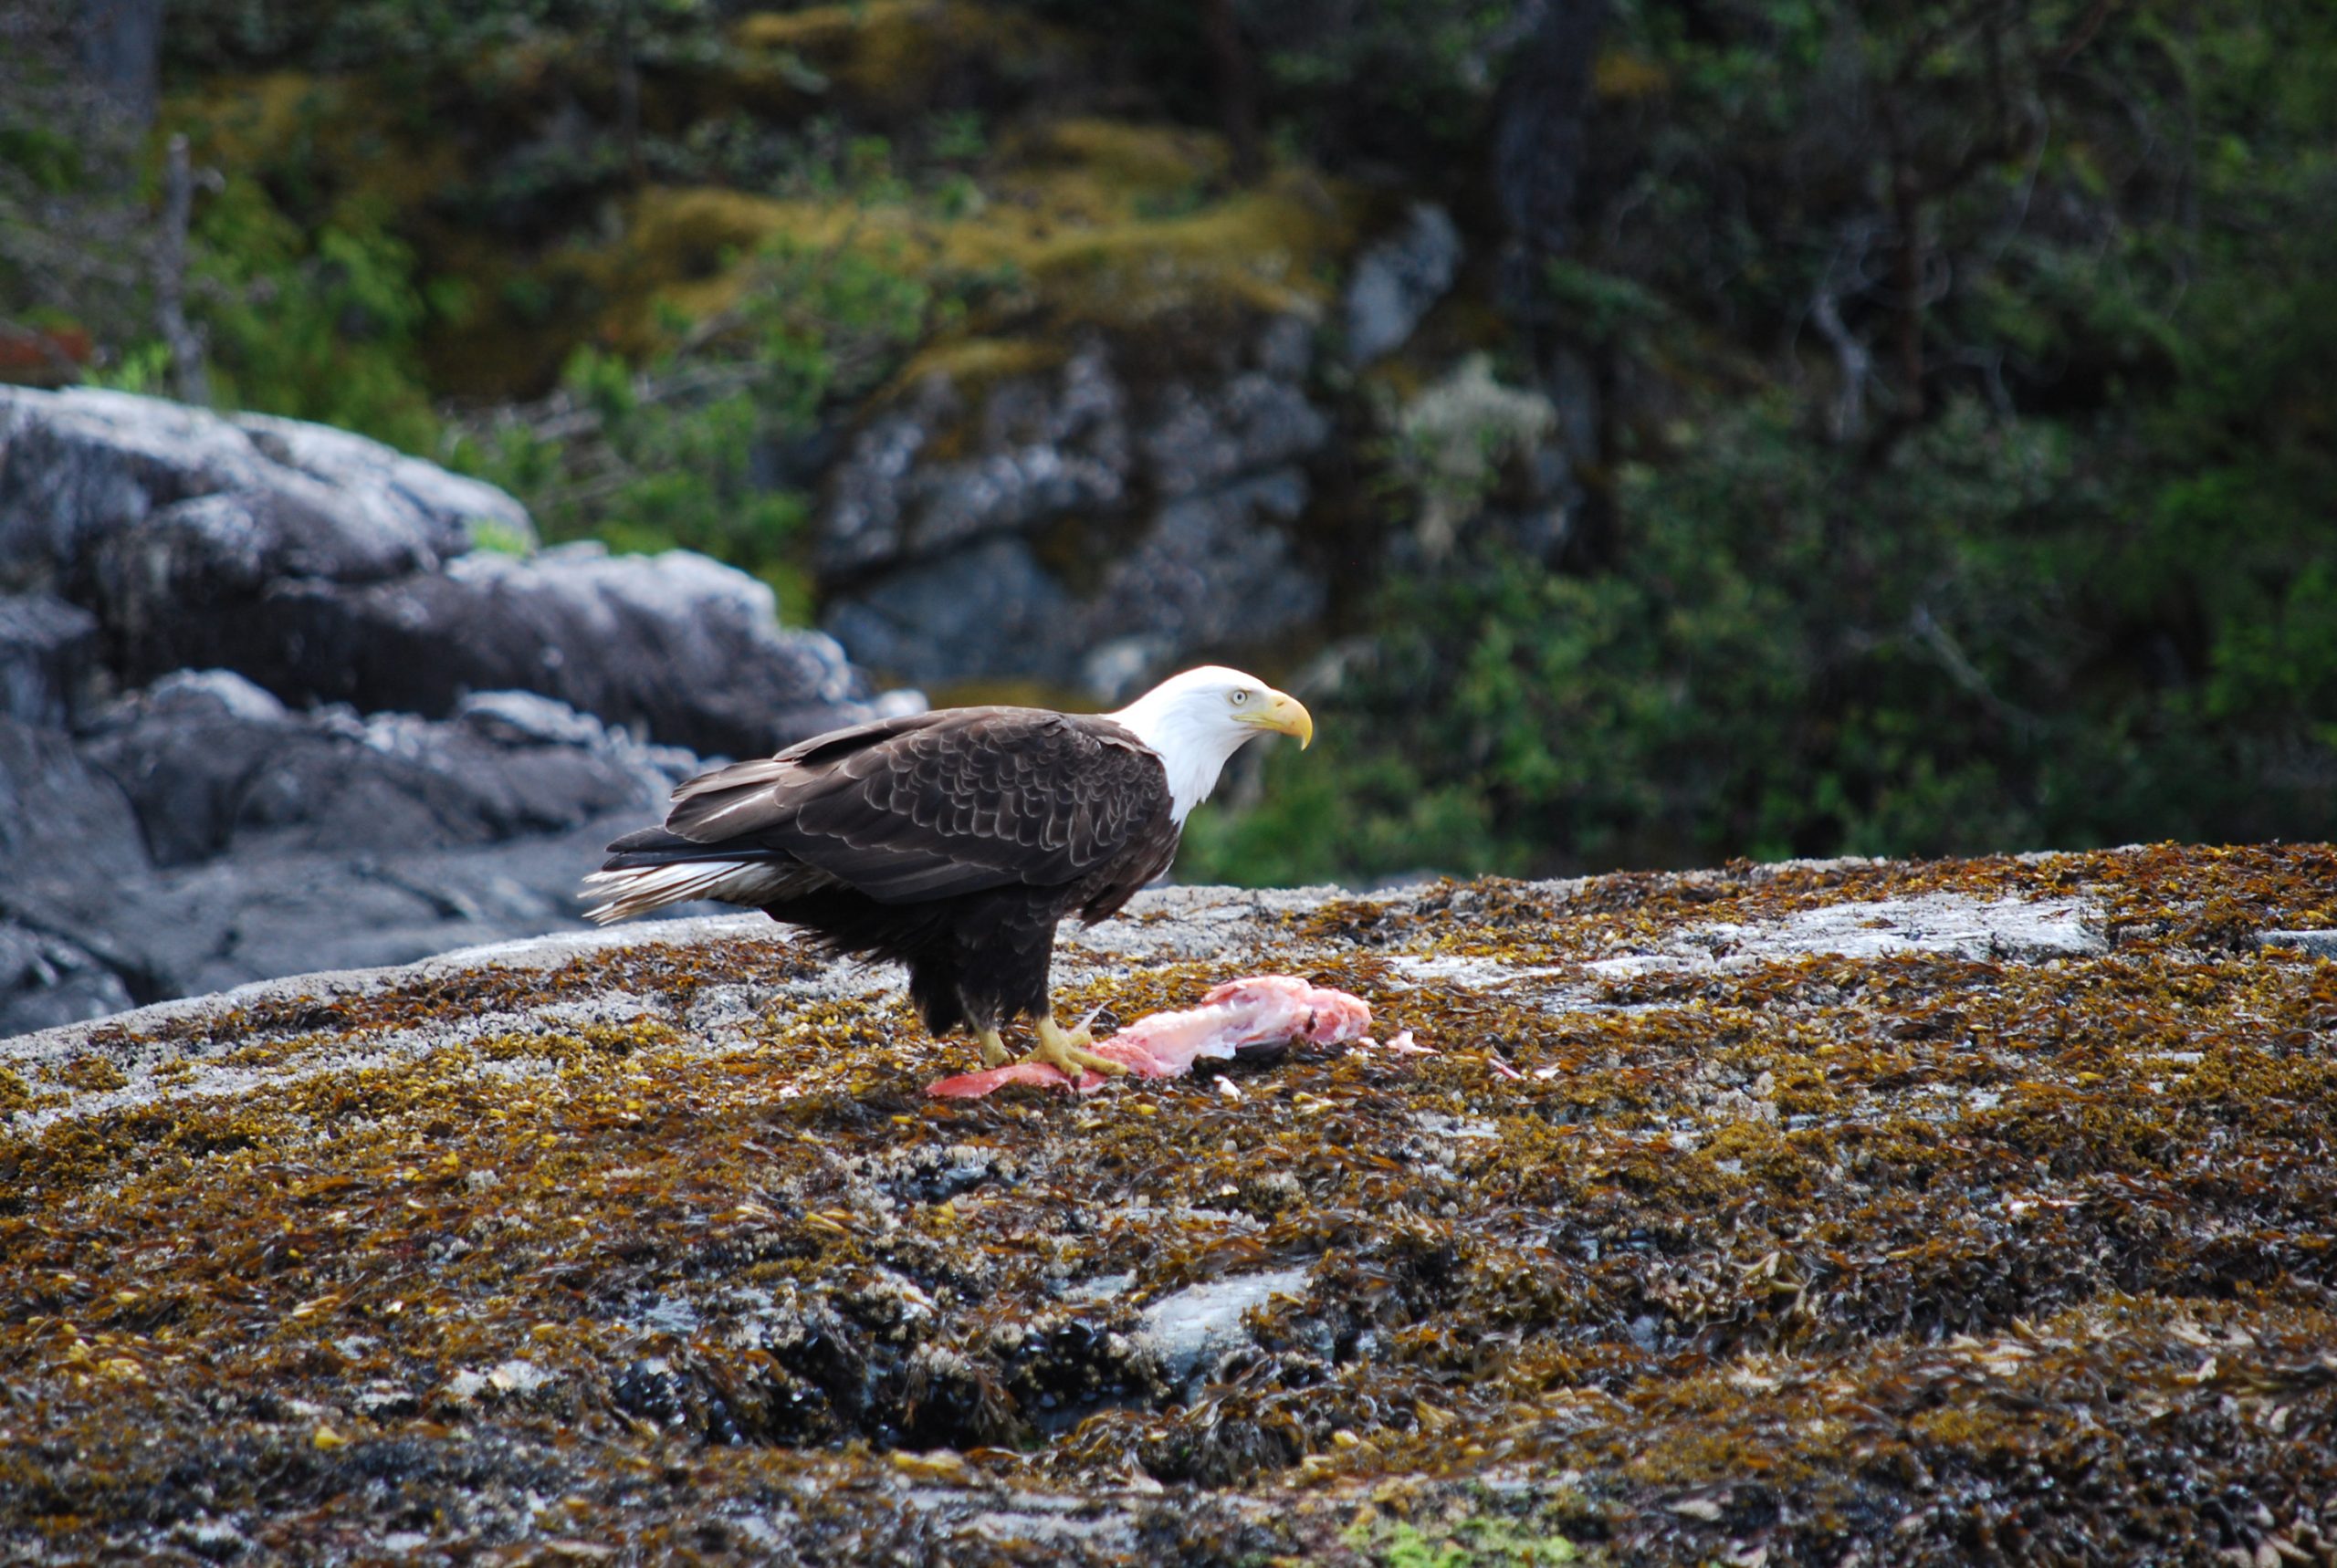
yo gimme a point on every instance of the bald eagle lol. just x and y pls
(953, 841)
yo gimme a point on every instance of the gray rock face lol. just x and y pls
(254, 914)
(1188, 491)
(211, 763)
(79, 466)
(72, 861)
(1215, 567)
(63, 822)
(1398, 280)
(1253, 423)
(328, 567)
(348, 739)
(677, 646)
(1044, 449)
(49, 658)
(45, 981)
(920, 623)
(205, 835)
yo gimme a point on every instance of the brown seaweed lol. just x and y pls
(1925, 1256)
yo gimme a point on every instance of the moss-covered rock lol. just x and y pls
(1093, 224)
(1909, 1212)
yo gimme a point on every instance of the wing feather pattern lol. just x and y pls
(934, 805)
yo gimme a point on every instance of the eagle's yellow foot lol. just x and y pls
(993, 1047)
(1066, 1051)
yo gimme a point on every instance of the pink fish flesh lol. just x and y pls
(1260, 1009)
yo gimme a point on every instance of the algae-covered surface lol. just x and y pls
(1964, 1211)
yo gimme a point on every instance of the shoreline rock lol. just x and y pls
(1810, 1209)
(263, 703)
(328, 567)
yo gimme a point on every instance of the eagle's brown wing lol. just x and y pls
(945, 803)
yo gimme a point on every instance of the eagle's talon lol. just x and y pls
(994, 1053)
(1066, 1051)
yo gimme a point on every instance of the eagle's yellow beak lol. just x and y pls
(1285, 714)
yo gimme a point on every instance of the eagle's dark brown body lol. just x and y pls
(950, 842)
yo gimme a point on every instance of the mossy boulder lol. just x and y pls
(1804, 1213)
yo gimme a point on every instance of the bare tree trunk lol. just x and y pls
(629, 97)
(120, 46)
(1846, 418)
(188, 380)
(1237, 86)
(1907, 282)
(1540, 135)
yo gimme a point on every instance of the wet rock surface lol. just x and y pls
(1845, 1211)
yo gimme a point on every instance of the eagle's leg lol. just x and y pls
(1067, 1052)
(993, 1047)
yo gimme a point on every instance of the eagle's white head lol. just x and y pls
(1197, 719)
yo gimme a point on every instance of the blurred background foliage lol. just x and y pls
(1943, 386)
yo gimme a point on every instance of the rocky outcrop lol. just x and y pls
(80, 468)
(328, 567)
(1398, 280)
(49, 658)
(212, 764)
(263, 702)
(961, 527)
(674, 646)
(1819, 1212)
(200, 835)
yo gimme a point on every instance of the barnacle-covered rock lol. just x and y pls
(1800, 1213)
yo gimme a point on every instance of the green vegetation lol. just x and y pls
(2040, 557)
(662, 453)
(1476, 1542)
(1942, 390)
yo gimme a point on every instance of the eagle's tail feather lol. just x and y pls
(653, 869)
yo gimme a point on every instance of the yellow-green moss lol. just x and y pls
(974, 364)
(261, 126)
(881, 58)
(1083, 228)
(92, 1072)
(1787, 1253)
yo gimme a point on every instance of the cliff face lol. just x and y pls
(1811, 1213)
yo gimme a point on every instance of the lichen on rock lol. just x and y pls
(1883, 1208)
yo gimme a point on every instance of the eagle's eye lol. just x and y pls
(1241, 697)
